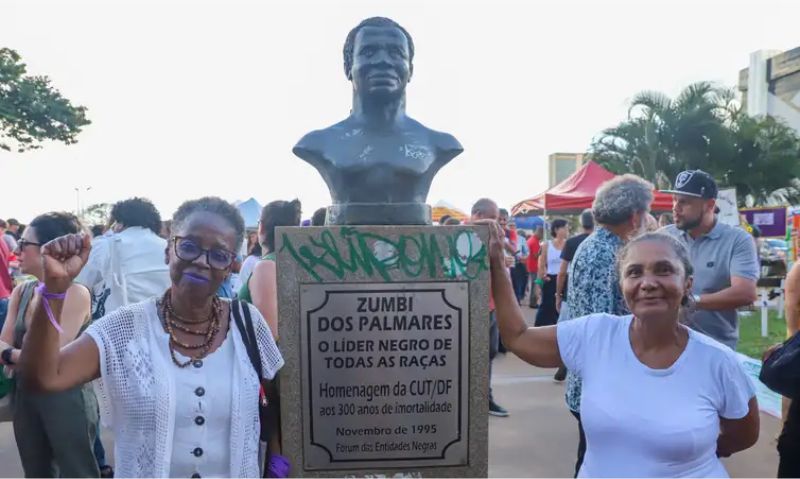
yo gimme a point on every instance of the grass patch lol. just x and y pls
(750, 341)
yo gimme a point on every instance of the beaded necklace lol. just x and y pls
(173, 321)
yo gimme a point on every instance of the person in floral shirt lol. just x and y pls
(620, 209)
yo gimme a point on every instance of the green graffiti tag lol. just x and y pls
(458, 255)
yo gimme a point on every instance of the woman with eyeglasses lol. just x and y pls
(54, 431)
(174, 374)
(261, 287)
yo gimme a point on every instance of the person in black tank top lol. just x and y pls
(549, 264)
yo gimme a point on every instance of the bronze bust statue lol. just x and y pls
(378, 163)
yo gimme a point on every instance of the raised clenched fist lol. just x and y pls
(62, 260)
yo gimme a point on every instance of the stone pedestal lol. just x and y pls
(384, 330)
(378, 213)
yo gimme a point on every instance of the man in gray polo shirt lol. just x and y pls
(724, 257)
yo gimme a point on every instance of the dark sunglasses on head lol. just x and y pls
(188, 249)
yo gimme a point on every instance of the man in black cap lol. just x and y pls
(724, 258)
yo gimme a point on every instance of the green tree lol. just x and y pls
(764, 164)
(663, 136)
(633, 147)
(32, 110)
(97, 214)
(705, 128)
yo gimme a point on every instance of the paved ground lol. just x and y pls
(539, 439)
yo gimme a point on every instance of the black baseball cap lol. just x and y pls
(696, 183)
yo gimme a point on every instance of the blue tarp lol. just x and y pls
(528, 222)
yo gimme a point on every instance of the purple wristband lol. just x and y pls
(278, 466)
(46, 296)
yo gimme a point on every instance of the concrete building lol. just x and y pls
(771, 85)
(561, 165)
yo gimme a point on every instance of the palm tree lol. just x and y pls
(664, 136)
(765, 164)
(634, 147)
(705, 128)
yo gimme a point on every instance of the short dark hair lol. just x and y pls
(255, 250)
(3, 223)
(504, 212)
(318, 219)
(482, 206)
(98, 230)
(13, 222)
(349, 43)
(137, 212)
(279, 213)
(50, 226)
(452, 221)
(556, 225)
(587, 219)
(215, 205)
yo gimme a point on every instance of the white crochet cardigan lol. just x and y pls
(136, 391)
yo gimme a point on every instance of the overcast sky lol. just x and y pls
(196, 98)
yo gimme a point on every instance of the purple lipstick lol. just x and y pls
(195, 278)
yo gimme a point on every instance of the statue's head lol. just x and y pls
(378, 57)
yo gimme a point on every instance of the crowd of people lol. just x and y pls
(129, 325)
(640, 316)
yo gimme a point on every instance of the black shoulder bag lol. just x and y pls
(268, 404)
(781, 371)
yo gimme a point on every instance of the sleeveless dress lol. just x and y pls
(55, 432)
(244, 292)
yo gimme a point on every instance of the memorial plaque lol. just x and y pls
(385, 368)
(384, 330)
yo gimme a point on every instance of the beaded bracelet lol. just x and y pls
(46, 296)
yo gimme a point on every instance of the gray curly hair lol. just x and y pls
(618, 199)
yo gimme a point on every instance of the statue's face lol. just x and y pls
(381, 63)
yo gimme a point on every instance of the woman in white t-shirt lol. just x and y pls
(659, 400)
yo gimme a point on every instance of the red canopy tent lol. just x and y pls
(577, 192)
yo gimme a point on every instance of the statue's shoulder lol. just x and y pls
(444, 142)
(314, 143)
(447, 142)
